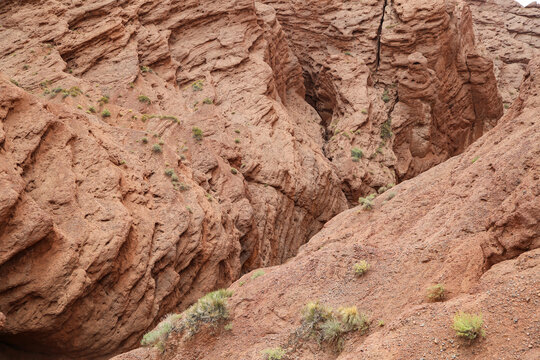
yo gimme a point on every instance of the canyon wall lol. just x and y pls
(152, 151)
(471, 223)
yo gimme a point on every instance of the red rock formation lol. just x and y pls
(101, 236)
(471, 223)
(353, 53)
(511, 35)
(114, 242)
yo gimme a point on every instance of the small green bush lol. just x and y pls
(386, 129)
(257, 273)
(145, 69)
(367, 202)
(435, 292)
(385, 96)
(161, 332)
(157, 148)
(208, 101)
(273, 353)
(228, 327)
(361, 268)
(144, 140)
(356, 154)
(352, 319)
(169, 172)
(197, 85)
(144, 99)
(197, 133)
(332, 331)
(237, 141)
(209, 309)
(234, 171)
(105, 113)
(468, 325)
(104, 100)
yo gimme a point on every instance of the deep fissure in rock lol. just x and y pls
(379, 33)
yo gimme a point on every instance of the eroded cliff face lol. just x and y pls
(114, 221)
(152, 151)
(511, 35)
(357, 69)
(471, 223)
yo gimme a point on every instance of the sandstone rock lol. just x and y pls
(471, 223)
(352, 54)
(511, 35)
(93, 230)
(101, 236)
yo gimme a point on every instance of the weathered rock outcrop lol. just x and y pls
(112, 221)
(353, 54)
(471, 223)
(511, 35)
(151, 151)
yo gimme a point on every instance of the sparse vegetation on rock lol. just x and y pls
(360, 268)
(469, 326)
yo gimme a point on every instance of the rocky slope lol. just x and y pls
(471, 223)
(152, 151)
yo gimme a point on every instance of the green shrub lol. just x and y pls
(145, 69)
(237, 141)
(234, 171)
(144, 99)
(104, 100)
(435, 292)
(159, 335)
(169, 172)
(273, 353)
(157, 148)
(14, 82)
(208, 101)
(257, 273)
(386, 129)
(332, 331)
(385, 96)
(105, 113)
(352, 319)
(197, 133)
(314, 313)
(367, 202)
(228, 327)
(361, 268)
(325, 325)
(380, 323)
(144, 140)
(197, 85)
(237, 131)
(468, 325)
(356, 154)
(209, 309)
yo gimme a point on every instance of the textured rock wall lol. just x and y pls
(98, 229)
(471, 223)
(511, 35)
(353, 55)
(93, 231)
